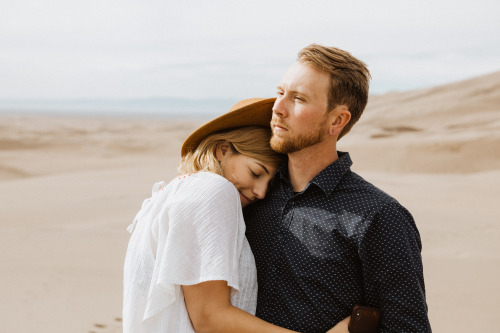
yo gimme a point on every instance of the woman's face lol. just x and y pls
(249, 175)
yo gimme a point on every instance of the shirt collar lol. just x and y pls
(328, 179)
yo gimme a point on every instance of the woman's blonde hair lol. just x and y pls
(251, 141)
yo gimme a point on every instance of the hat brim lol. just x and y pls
(250, 112)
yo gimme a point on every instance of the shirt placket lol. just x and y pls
(276, 266)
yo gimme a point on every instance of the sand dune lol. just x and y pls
(452, 103)
(70, 186)
(453, 128)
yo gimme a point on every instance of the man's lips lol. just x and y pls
(279, 127)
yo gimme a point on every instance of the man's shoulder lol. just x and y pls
(364, 196)
(353, 182)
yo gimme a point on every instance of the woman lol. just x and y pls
(189, 266)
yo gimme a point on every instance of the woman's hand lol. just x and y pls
(341, 327)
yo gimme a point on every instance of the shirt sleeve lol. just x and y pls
(393, 272)
(199, 238)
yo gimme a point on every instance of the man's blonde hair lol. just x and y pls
(251, 141)
(349, 78)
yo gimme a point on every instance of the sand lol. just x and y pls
(69, 187)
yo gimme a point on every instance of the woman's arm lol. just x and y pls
(341, 327)
(210, 310)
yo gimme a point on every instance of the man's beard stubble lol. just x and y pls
(290, 144)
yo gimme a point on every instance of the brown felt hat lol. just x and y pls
(248, 112)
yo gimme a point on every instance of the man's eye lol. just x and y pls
(280, 93)
(254, 174)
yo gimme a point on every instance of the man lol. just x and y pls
(324, 239)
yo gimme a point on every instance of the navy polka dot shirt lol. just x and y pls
(341, 242)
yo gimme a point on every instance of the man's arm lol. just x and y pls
(393, 272)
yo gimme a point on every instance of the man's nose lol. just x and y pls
(279, 107)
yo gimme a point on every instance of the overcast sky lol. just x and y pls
(233, 49)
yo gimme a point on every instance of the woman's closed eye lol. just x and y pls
(254, 175)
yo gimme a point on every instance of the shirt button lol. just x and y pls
(280, 236)
(273, 268)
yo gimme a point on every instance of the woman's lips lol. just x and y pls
(244, 199)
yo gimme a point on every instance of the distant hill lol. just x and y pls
(155, 106)
(449, 128)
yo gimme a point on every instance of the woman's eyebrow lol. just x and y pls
(263, 167)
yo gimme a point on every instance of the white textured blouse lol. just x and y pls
(190, 231)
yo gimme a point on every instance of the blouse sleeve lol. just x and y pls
(199, 238)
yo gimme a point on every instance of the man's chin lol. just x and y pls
(279, 145)
(276, 144)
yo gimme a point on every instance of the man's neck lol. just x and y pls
(307, 163)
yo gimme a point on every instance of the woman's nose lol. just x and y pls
(260, 191)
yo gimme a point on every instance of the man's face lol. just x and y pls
(300, 111)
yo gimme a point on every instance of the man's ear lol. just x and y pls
(339, 118)
(221, 150)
